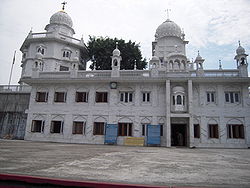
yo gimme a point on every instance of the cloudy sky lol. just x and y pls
(213, 27)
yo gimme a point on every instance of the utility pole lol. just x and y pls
(12, 69)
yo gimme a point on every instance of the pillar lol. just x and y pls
(190, 109)
(168, 120)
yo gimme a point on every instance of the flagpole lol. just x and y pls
(11, 69)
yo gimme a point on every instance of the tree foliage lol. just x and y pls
(100, 51)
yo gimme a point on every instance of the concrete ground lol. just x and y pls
(139, 165)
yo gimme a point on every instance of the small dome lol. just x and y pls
(198, 58)
(155, 58)
(61, 17)
(116, 52)
(240, 50)
(168, 28)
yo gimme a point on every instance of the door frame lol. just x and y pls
(183, 129)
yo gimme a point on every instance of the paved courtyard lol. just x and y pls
(139, 165)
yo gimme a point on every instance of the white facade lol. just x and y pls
(195, 107)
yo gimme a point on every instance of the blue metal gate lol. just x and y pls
(153, 135)
(111, 131)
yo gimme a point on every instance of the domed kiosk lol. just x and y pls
(61, 22)
(169, 46)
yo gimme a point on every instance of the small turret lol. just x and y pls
(199, 65)
(241, 60)
(116, 62)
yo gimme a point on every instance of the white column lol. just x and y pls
(190, 108)
(89, 128)
(220, 96)
(168, 122)
(244, 96)
(71, 92)
(91, 99)
(47, 125)
(28, 133)
(137, 95)
(203, 130)
(154, 95)
(67, 127)
(247, 130)
(51, 94)
(137, 127)
(114, 97)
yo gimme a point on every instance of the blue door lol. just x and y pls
(153, 135)
(111, 131)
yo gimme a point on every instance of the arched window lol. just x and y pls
(66, 54)
(182, 65)
(242, 61)
(41, 50)
(173, 100)
(178, 99)
(115, 62)
(170, 64)
(176, 64)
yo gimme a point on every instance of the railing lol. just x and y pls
(72, 39)
(40, 35)
(14, 88)
(221, 73)
(57, 35)
(217, 73)
(91, 74)
(134, 74)
(57, 74)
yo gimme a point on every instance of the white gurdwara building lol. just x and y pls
(175, 102)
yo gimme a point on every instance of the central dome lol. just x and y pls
(61, 17)
(167, 29)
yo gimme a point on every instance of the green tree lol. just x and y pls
(100, 51)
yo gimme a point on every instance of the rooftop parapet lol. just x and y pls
(15, 89)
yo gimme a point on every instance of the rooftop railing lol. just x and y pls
(40, 35)
(58, 74)
(55, 35)
(221, 73)
(14, 88)
(136, 74)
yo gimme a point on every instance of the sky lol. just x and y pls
(213, 27)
